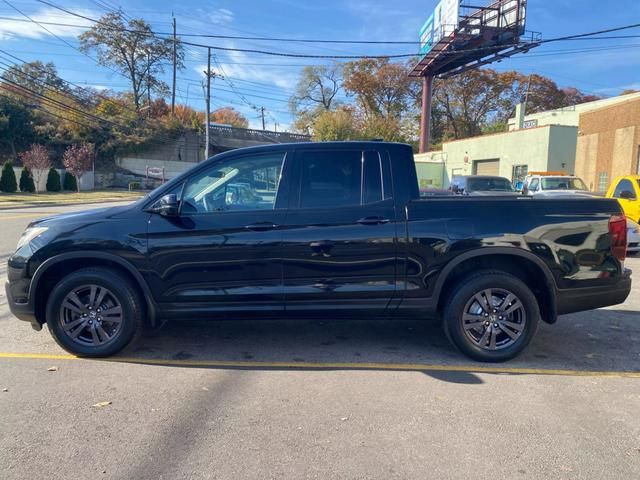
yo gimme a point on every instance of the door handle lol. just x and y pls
(373, 221)
(261, 226)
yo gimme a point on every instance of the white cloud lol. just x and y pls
(620, 88)
(282, 78)
(221, 16)
(20, 27)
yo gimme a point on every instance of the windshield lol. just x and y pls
(496, 184)
(563, 183)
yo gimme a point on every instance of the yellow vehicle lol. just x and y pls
(627, 191)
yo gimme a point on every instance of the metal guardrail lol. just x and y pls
(257, 135)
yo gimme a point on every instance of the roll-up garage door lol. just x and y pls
(486, 167)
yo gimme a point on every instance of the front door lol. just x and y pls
(626, 191)
(224, 250)
(340, 234)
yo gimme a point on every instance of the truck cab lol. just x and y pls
(548, 184)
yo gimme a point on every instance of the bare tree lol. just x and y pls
(37, 160)
(130, 47)
(317, 88)
(78, 160)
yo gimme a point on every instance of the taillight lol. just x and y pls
(618, 234)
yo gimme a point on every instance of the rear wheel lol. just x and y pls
(491, 316)
(94, 312)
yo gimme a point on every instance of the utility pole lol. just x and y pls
(208, 73)
(148, 85)
(173, 90)
(262, 114)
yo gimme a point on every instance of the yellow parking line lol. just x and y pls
(338, 366)
(28, 215)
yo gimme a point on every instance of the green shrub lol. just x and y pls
(53, 181)
(8, 182)
(69, 183)
(26, 181)
(134, 186)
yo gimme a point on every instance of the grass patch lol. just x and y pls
(92, 196)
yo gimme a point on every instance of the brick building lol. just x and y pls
(608, 143)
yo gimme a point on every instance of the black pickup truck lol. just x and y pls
(329, 229)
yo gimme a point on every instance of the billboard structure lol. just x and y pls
(458, 37)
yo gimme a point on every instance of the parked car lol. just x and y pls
(554, 185)
(627, 191)
(633, 237)
(329, 229)
(481, 185)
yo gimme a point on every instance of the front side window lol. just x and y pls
(533, 186)
(238, 184)
(344, 178)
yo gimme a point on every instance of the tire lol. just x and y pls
(94, 303)
(470, 323)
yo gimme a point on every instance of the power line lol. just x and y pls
(344, 57)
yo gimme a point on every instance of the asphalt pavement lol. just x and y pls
(328, 399)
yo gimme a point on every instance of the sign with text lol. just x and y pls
(442, 23)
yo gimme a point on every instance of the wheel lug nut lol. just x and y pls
(495, 325)
(486, 314)
(486, 324)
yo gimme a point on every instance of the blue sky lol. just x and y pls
(254, 80)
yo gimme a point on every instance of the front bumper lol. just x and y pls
(21, 310)
(580, 299)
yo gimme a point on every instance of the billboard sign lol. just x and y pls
(442, 23)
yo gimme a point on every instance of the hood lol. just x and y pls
(490, 193)
(81, 216)
(566, 193)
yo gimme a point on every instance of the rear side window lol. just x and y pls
(624, 186)
(341, 178)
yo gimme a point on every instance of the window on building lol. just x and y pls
(519, 172)
(603, 182)
(518, 176)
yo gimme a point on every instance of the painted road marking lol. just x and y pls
(335, 366)
(30, 215)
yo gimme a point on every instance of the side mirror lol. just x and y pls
(627, 195)
(168, 206)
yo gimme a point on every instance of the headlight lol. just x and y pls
(29, 234)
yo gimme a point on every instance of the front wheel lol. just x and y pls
(94, 312)
(491, 316)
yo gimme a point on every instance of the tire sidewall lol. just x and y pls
(465, 290)
(122, 291)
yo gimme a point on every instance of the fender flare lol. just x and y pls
(92, 254)
(550, 282)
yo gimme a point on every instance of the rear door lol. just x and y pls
(340, 234)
